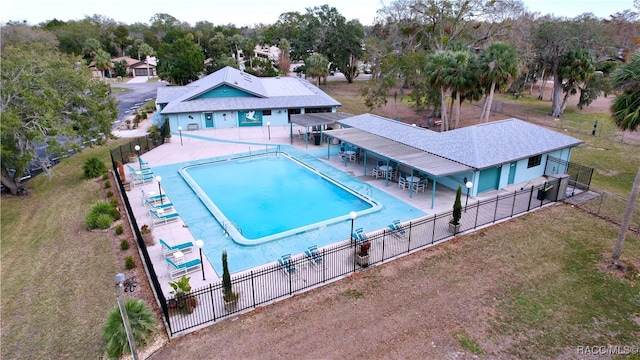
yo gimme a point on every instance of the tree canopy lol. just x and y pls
(48, 98)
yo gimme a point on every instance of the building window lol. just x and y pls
(534, 161)
(266, 112)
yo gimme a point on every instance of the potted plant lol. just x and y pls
(454, 223)
(363, 254)
(230, 298)
(154, 134)
(125, 183)
(183, 301)
(167, 130)
(147, 236)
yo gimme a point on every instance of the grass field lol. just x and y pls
(57, 279)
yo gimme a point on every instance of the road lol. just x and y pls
(129, 101)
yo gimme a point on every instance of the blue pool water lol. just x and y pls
(267, 197)
(203, 225)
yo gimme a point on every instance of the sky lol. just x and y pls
(249, 12)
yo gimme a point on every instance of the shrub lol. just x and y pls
(100, 221)
(102, 215)
(93, 168)
(129, 263)
(124, 244)
(457, 208)
(107, 184)
(142, 320)
(109, 193)
(119, 229)
(105, 176)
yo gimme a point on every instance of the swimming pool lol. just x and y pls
(202, 225)
(261, 198)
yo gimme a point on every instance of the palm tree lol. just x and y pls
(143, 325)
(457, 78)
(317, 66)
(501, 67)
(435, 74)
(625, 111)
(577, 68)
(102, 60)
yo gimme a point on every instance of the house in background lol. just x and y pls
(134, 67)
(232, 98)
(491, 156)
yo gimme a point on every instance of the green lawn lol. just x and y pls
(57, 277)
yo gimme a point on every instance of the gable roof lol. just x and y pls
(267, 93)
(479, 146)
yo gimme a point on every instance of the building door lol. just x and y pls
(489, 179)
(208, 120)
(512, 172)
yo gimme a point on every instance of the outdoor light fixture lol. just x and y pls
(180, 130)
(353, 215)
(200, 245)
(125, 318)
(469, 185)
(137, 147)
(269, 128)
(158, 179)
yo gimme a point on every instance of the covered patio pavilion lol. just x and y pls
(432, 165)
(315, 121)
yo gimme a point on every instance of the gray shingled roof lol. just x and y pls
(318, 118)
(269, 93)
(480, 146)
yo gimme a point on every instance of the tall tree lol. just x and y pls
(436, 69)
(284, 60)
(500, 65)
(47, 97)
(625, 111)
(555, 38)
(180, 62)
(576, 68)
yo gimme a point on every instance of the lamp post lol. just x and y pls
(158, 179)
(180, 131)
(200, 245)
(125, 317)
(269, 129)
(353, 216)
(137, 147)
(469, 185)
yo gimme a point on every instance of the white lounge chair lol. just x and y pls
(161, 218)
(312, 254)
(176, 271)
(168, 250)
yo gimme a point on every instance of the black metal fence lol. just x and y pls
(120, 154)
(580, 175)
(611, 207)
(270, 283)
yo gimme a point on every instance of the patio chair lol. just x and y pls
(159, 217)
(359, 236)
(153, 198)
(176, 271)
(168, 250)
(396, 229)
(141, 179)
(287, 265)
(402, 182)
(143, 170)
(166, 204)
(313, 255)
(419, 186)
(142, 162)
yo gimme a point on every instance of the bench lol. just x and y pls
(193, 126)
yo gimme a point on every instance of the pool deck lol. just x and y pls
(198, 144)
